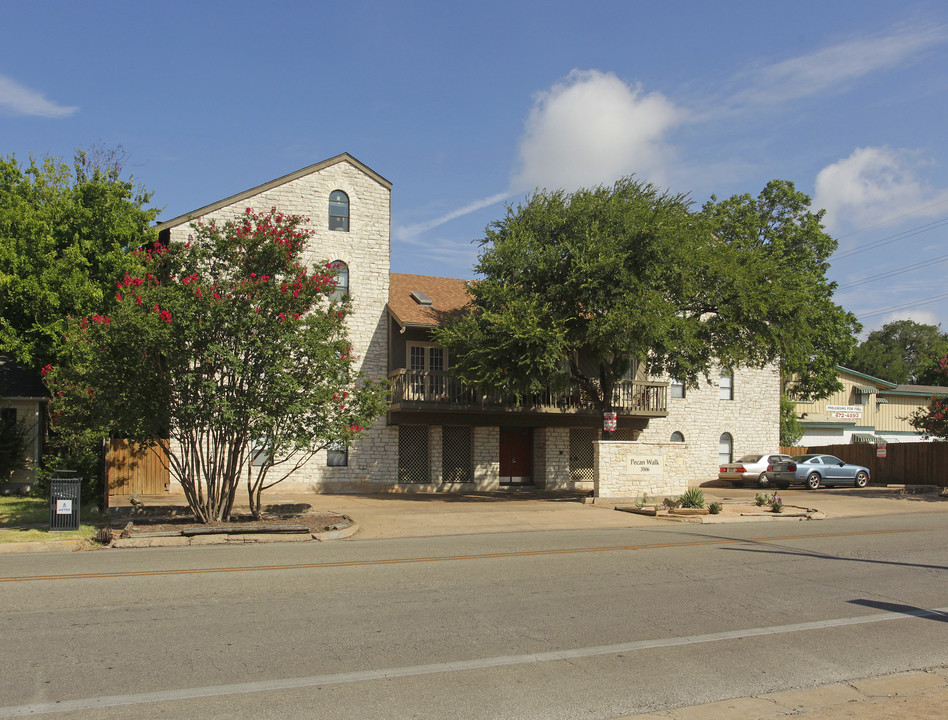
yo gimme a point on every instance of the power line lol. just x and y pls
(916, 211)
(905, 306)
(911, 232)
(897, 271)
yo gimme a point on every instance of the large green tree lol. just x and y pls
(66, 232)
(229, 346)
(902, 351)
(577, 287)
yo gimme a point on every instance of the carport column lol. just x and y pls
(630, 469)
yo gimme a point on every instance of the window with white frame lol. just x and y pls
(677, 388)
(725, 449)
(727, 384)
(426, 364)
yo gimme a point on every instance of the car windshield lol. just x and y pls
(750, 458)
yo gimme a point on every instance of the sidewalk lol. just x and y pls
(906, 696)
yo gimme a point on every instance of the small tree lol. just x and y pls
(933, 420)
(790, 428)
(231, 348)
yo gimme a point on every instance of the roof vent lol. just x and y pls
(420, 298)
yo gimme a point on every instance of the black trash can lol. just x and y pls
(64, 501)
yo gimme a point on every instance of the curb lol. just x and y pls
(920, 695)
(41, 546)
(237, 539)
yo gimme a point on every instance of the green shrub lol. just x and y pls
(671, 503)
(762, 499)
(692, 498)
(714, 508)
(776, 504)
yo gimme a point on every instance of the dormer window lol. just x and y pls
(338, 211)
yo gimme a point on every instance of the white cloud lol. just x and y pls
(833, 66)
(591, 129)
(873, 185)
(19, 100)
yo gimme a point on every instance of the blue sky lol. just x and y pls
(466, 106)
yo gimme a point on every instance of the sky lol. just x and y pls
(466, 107)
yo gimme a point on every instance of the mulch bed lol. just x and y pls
(152, 522)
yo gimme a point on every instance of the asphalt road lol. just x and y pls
(591, 624)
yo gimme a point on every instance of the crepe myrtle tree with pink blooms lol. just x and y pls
(231, 351)
(933, 420)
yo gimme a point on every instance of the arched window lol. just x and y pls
(677, 437)
(338, 211)
(342, 280)
(725, 449)
(727, 384)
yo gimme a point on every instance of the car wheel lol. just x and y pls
(763, 481)
(737, 483)
(813, 481)
(862, 479)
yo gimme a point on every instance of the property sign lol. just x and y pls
(880, 451)
(609, 422)
(845, 412)
(64, 507)
(652, 467)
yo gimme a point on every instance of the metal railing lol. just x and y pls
(430, 388)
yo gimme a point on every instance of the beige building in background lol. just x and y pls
(866, 409)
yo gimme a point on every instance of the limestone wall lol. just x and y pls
(631, 469)
(752, 418)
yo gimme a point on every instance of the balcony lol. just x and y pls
(439, 391)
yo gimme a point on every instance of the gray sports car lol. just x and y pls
(816, 470)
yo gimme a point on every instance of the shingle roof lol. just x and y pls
(448, 295)
(18, 382)
(918, 390)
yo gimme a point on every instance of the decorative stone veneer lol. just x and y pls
(365, 250)
(629, 469)
(752, 418)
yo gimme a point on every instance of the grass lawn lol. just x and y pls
(17, 514)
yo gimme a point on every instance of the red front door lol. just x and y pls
(516, 456)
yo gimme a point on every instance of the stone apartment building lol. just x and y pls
(442, 436)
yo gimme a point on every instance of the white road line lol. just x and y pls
(444, 667)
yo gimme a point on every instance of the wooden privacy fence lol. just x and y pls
(131, 468)
(918, 463)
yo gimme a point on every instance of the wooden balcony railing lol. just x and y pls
(438, 390)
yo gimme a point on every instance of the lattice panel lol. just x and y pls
(413, 463)
(581, 454)
(456, 460)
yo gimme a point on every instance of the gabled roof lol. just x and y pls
(875, 380)
(344, 157)
(891, 388)
(447, 295)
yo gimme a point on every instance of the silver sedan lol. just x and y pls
(816, 470)
(750, 468)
